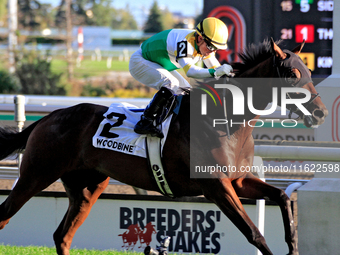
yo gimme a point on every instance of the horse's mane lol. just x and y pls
(253, 55)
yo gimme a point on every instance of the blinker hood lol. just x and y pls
(294, 61)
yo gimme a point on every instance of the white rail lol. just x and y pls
(9, 173)
(35, 104)
(300, 153)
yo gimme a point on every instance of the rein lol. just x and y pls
(225, 113)
(225, 108)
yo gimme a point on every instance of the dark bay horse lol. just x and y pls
(60, 146)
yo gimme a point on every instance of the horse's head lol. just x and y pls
(292, 72)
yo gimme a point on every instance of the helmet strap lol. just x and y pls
(201, 31)
(198, 44)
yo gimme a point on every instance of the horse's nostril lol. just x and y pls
(318, 113)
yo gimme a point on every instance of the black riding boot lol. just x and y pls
(151, 112)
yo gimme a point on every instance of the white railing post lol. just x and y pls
(19, 111)
(260, 203)
(19, 118)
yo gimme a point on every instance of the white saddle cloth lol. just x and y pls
(116, 132)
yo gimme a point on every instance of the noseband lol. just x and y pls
(284, 68)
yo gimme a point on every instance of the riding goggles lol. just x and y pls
(210, 46)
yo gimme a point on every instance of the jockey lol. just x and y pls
(155, 64)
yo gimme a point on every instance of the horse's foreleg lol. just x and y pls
(222, 193)
(81, 201)
(254, 188)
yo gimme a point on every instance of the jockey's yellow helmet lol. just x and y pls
(213, 31)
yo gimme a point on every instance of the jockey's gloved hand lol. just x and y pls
(221, 70)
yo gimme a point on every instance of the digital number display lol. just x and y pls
(304, 33)
(309, 20)
(293, 21)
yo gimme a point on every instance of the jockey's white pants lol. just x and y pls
(154, 75)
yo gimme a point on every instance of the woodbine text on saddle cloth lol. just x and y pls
(116, 133)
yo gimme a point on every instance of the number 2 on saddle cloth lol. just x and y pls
(165, 112)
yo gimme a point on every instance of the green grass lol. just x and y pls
(40, 250)
(90, 68)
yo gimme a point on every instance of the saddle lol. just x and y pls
(115, 132)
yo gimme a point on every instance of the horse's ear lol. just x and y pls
(298, 48)
(276, 50)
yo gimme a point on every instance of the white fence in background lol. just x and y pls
(38, 104)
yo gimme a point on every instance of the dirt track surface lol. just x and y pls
(58, 186)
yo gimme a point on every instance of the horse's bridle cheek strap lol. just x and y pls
(296, 110)
(293, 61)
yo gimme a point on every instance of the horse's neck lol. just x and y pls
(261, 97)
(244, 129)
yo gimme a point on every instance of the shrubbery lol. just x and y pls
(35, 75)
(8, 83)
(112, 86)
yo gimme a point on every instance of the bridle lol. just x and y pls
(283, 69)
(298, 112)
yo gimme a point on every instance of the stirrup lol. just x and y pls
(146, 127)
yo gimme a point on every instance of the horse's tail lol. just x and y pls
(12, 141)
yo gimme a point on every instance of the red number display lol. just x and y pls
(304, 32)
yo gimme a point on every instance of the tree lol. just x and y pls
(33, 15)
(154, 22)
(78, 13)
(3, 12)
(102, 13)
(123, 20)
(46, 16)
(86, 13)
(28, 11)
(167, 20)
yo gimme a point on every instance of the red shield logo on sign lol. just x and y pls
(237, 32)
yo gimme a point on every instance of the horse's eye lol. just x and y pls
(291, 77)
